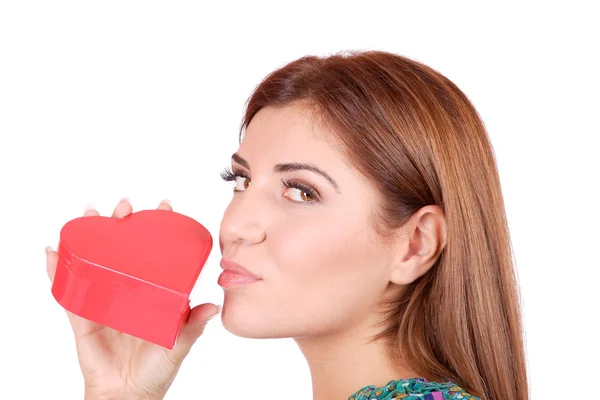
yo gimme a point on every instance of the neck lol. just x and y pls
(342, 364)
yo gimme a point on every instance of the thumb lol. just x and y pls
(193, 328)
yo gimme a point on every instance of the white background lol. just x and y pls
(101, 100)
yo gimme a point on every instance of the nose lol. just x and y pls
(243, 221)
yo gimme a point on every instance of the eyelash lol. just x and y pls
(229, 175)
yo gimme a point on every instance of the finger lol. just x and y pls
(165, 205)
(122, 209)
(194, 327)
(90, 211)
(51, 261)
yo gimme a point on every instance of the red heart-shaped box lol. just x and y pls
(132, 274)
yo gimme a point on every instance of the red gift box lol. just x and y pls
(132, 274)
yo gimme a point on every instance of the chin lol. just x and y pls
(243, 322)
(247, 325)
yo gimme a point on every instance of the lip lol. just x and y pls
(235, 268)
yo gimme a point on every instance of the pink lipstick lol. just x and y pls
(234, 275)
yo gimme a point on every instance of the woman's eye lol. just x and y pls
(240, 180)
(300, 195)
(300, 192)
(241, 183)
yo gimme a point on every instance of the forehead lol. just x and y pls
(288, 132)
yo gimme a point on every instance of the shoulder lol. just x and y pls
(413, 389)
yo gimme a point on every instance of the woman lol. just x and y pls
(368, 217)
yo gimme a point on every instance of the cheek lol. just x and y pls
(325, 267)
(314, 248)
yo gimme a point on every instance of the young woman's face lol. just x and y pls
(300, 220)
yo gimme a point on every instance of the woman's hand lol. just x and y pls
(119, 366)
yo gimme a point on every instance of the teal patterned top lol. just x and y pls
(413, 389)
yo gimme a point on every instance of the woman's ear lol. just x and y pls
(418, 245)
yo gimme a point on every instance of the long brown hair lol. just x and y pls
(419, 139)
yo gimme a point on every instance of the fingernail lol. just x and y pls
(165, 201)
(88, 207)
(215, 314)
(124, 200)
(48, 249)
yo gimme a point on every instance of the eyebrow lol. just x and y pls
(288, 167)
